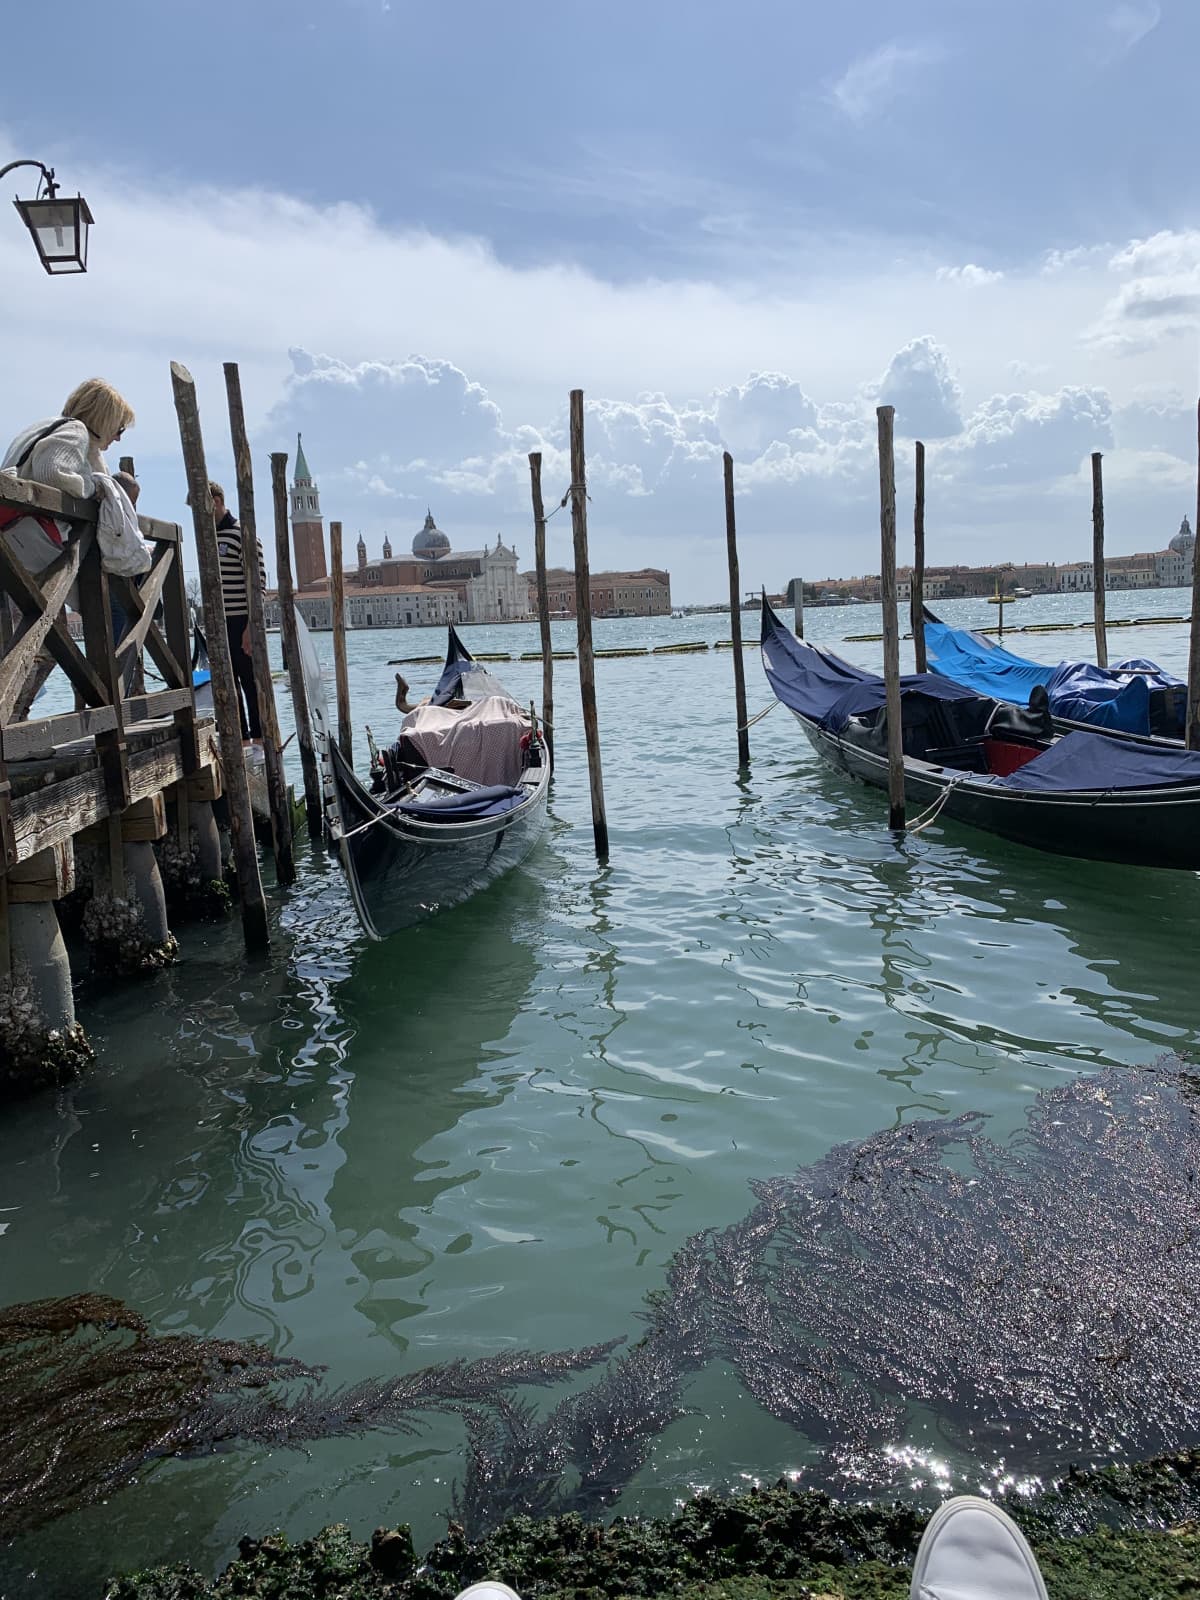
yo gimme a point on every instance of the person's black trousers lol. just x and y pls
(243, 672)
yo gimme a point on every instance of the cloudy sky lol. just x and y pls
(418, 227)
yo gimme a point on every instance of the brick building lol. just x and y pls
(644, 593)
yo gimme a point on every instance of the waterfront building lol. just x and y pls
(644, 593)
(434, 585)
(1174, 564)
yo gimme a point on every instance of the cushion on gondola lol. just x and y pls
(473, 806)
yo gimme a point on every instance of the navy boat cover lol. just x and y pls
(828, 690)
(1111, 697)
(1089, 761)
(473, 806)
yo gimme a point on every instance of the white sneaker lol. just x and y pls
(971, 1550)
(489, 1590)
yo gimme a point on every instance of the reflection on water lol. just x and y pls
(497, 1129)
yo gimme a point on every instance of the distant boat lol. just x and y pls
(676, 614)
(1018, 593)
(431, 837)
(992, 765)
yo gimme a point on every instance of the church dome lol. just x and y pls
(431, 541)
(1184, 541)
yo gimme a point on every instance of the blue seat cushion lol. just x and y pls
(472, 806)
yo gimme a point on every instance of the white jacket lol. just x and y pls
(122, 548)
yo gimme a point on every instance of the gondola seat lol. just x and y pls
(472, 806)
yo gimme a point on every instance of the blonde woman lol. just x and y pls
(62, 452)
(65, 453)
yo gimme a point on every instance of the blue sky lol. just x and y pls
(730, 227)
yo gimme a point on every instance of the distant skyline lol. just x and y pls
(417, 228)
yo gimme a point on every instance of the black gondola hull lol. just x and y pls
(1144, 827)
(401, 870)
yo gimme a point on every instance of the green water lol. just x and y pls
(495, 1131)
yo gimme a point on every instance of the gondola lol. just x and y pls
(994, 765)
(431, 837)
(1132, 699)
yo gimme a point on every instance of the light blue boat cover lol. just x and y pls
(1111, 697)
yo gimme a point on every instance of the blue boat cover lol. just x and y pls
(1110, 697)
(828, 690)
(473, 806)
(1090, 762)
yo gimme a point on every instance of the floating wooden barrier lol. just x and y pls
(497, 657)
(556, 655)
(727, 644)
(615, 655)
(414, 661)
(693, 647)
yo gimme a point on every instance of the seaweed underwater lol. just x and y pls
(1041, 1298)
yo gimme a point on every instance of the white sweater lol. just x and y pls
(66, 459)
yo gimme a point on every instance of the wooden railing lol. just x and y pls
(99, 670)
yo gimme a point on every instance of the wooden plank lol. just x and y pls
(41, 601)
(735, 618)
(144, 820)
(255, 927)
(58, 811)
(205, 784)
(885, 419)
(96, 612)
(48, 875)
(21, 494)
(337, 596)
(583, 609)
(153, 707)
(543, 595)
(281, 811)
(143, 601)
(22, 740)
(291, 648)
(141, 605)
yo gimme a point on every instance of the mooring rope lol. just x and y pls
(758, 716)
(932, 812)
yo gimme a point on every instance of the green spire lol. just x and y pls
(303, 475)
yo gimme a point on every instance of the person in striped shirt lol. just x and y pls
(237, 611)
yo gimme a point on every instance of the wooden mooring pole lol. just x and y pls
(886, 417)
(543, 595)
(1098, 590)
(241, 822)
(916, 604)
(281, 811)
(337, 599)
(583, 610)
(291, 649)
(798, 606)
(1192, 727)
(735, 617)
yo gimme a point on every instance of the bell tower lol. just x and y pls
(308, 531)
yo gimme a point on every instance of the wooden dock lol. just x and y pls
(105, 774)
